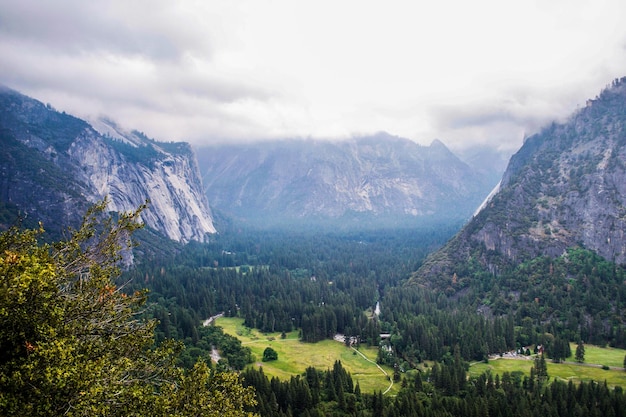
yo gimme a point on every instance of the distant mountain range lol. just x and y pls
(369, 182)
(565, 187)
(53, 166)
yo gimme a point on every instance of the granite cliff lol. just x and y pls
(372, 182)
(565, 187)
(53, 166)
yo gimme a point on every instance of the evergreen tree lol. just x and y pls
(357, 391)
(560, 350)
(540, 369)
(329, 387)
(580, 352)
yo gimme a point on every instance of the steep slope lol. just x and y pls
(53, 165)
(565, 187)
(372, 181)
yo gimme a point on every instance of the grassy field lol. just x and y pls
(602, 356)
(567, 371)
(295, 356)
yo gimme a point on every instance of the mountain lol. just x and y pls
(371, 182)
(565, 187)
(53, 166)
(487, 161)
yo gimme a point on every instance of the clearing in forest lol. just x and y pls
(295, 356)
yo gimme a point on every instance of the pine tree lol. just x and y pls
(378, 404)
(580, 352)
(560, 350)
(329, 387)
(540, 369)
(418, 381)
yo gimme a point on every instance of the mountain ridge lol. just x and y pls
(55, 165)
(565, 187)
(380, 179)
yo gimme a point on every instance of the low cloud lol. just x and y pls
(157, 30)
(467, 74)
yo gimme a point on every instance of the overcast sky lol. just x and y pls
(464, 72)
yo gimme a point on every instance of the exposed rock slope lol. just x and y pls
(377, 180)
(54, 165)
(565, 187)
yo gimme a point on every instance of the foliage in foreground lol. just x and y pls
(72, 343)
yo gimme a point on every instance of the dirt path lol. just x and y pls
(378, 366)
(212, 319)
(592, 365)
(215, 355)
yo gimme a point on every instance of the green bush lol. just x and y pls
(269, 354)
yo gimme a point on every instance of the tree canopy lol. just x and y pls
(73, 343)
(269, 354)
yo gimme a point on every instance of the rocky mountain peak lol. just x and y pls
(565, 187)
(362, 182)
(54, 165)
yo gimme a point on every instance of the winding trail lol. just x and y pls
(337, 338)
(215, 354)
(354, 349)
(378, 366)
(211, 319)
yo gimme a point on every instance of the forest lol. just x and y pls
(100, 341)
(325, 284)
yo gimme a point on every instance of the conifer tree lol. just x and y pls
(580, 352)
(540, 369)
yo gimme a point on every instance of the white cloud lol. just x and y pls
(465, 72)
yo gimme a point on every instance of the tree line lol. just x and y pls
(442, 390)
(545, 302)
(79, 338)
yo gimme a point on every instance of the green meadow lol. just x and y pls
(295, 356)
(595, 358)
(601, 356)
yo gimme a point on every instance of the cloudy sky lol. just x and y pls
(465, 72)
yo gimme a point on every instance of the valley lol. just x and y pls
(374, 240)
(365, 183)
(312, 209)
(601, 364)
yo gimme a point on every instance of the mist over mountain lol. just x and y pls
(53, 166)
(487, 161)
(367, 182)
(565, 187)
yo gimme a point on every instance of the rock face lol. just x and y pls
(54, 165)
(378, 180)
(565, 187)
